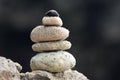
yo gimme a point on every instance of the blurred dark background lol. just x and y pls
(94, 26)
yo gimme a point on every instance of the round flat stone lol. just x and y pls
(52, 21)
(53, 61)
(51, 46)
(41, 33)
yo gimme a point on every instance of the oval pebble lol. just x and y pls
(53, 61)
(41, 33)
(52, 21)
(51, 46)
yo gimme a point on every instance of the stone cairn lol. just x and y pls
(51, 62)
(50, 42)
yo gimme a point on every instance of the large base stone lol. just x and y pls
(58, 61)
(44, 75)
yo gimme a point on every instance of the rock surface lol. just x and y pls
(9, 70)
(44, 75)
(52, 21)
(51, 46)
(42, 33)
(58, 61)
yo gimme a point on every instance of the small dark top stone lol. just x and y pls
(52, 13)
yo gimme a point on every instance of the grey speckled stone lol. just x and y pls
(53, 61)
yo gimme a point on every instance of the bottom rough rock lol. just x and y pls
(44, 75)
(9, 70)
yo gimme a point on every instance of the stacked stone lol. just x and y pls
(50, 42)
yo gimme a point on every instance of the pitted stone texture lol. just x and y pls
(52, 21)
(51, 46)
(53, 61)
(9, 70)
(44, 75)
(42, 33)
